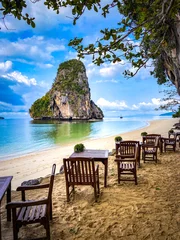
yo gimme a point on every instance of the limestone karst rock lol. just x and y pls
(69, 98)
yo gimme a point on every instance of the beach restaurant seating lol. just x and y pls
(149, 148)
(81, 171)
(29, 212)
(169, 144)
(138, 152)
(126, 159)
(160, 145)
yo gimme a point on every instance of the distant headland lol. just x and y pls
(69, 98)
(1, 117)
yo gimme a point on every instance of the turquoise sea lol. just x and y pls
(22, 136)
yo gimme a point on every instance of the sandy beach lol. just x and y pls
(149, 210)
(38, 164)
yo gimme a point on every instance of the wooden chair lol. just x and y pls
(138, 151)
(149, 148)
(169, 144)
(160, 145)
(81, 171)
(175, 135)
(39, 211)
(127, 160)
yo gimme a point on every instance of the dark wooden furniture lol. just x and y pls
(138, 153)
(126, 159)
(149, 148)
(175, 135)
(169, 144)
(5, 186)
(160, 144)
(98, 156)
(29, 212)
(81, 171)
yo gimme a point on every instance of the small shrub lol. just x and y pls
(118, 139)
(143, 133)
(171, 131)
(79, 148)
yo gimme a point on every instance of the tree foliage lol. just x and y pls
(41, 107)
(147, 31)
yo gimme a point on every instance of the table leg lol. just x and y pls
(0, 220)
(9, 200)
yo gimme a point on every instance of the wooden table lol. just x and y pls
(97, 155)
(5, 186)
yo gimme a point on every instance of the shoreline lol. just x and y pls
(72, 141)
(37, 164)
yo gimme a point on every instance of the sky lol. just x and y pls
(29, 59)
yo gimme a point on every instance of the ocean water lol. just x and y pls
(22, 136)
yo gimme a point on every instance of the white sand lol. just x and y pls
(38, 164)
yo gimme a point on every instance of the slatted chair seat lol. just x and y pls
(29, 211)
(127, 158)
(81, 171)
(127, 166)
(150, 151)
(32, 214)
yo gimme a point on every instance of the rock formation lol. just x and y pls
(69, 98)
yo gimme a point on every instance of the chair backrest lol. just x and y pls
(51, 181)
(151, 140)
(129, 149)
(79, 171)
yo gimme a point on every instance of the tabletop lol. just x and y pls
(4, 184)
(91, 153)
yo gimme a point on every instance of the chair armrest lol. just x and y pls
(25, 204)
(125, 160)
(148, 145)
(32, 187)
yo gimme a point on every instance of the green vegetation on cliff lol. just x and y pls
(69, 82)
(41, 107)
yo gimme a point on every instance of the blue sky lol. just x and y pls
(29, 59)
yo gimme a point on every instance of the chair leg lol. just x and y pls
(135, 177)
(15, 227)
(95, 192)
(67, 192)
(118, 167)
(47, 229)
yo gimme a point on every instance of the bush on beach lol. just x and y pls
(79, 147)
(143, 133)
(118, 139)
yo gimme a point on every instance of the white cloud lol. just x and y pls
(109, 80)
(5, 66)
(36, 48)
(101, 102)
(10, 107)
(122, 105)
(155, 103)
(111, 69)
(18, 77)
